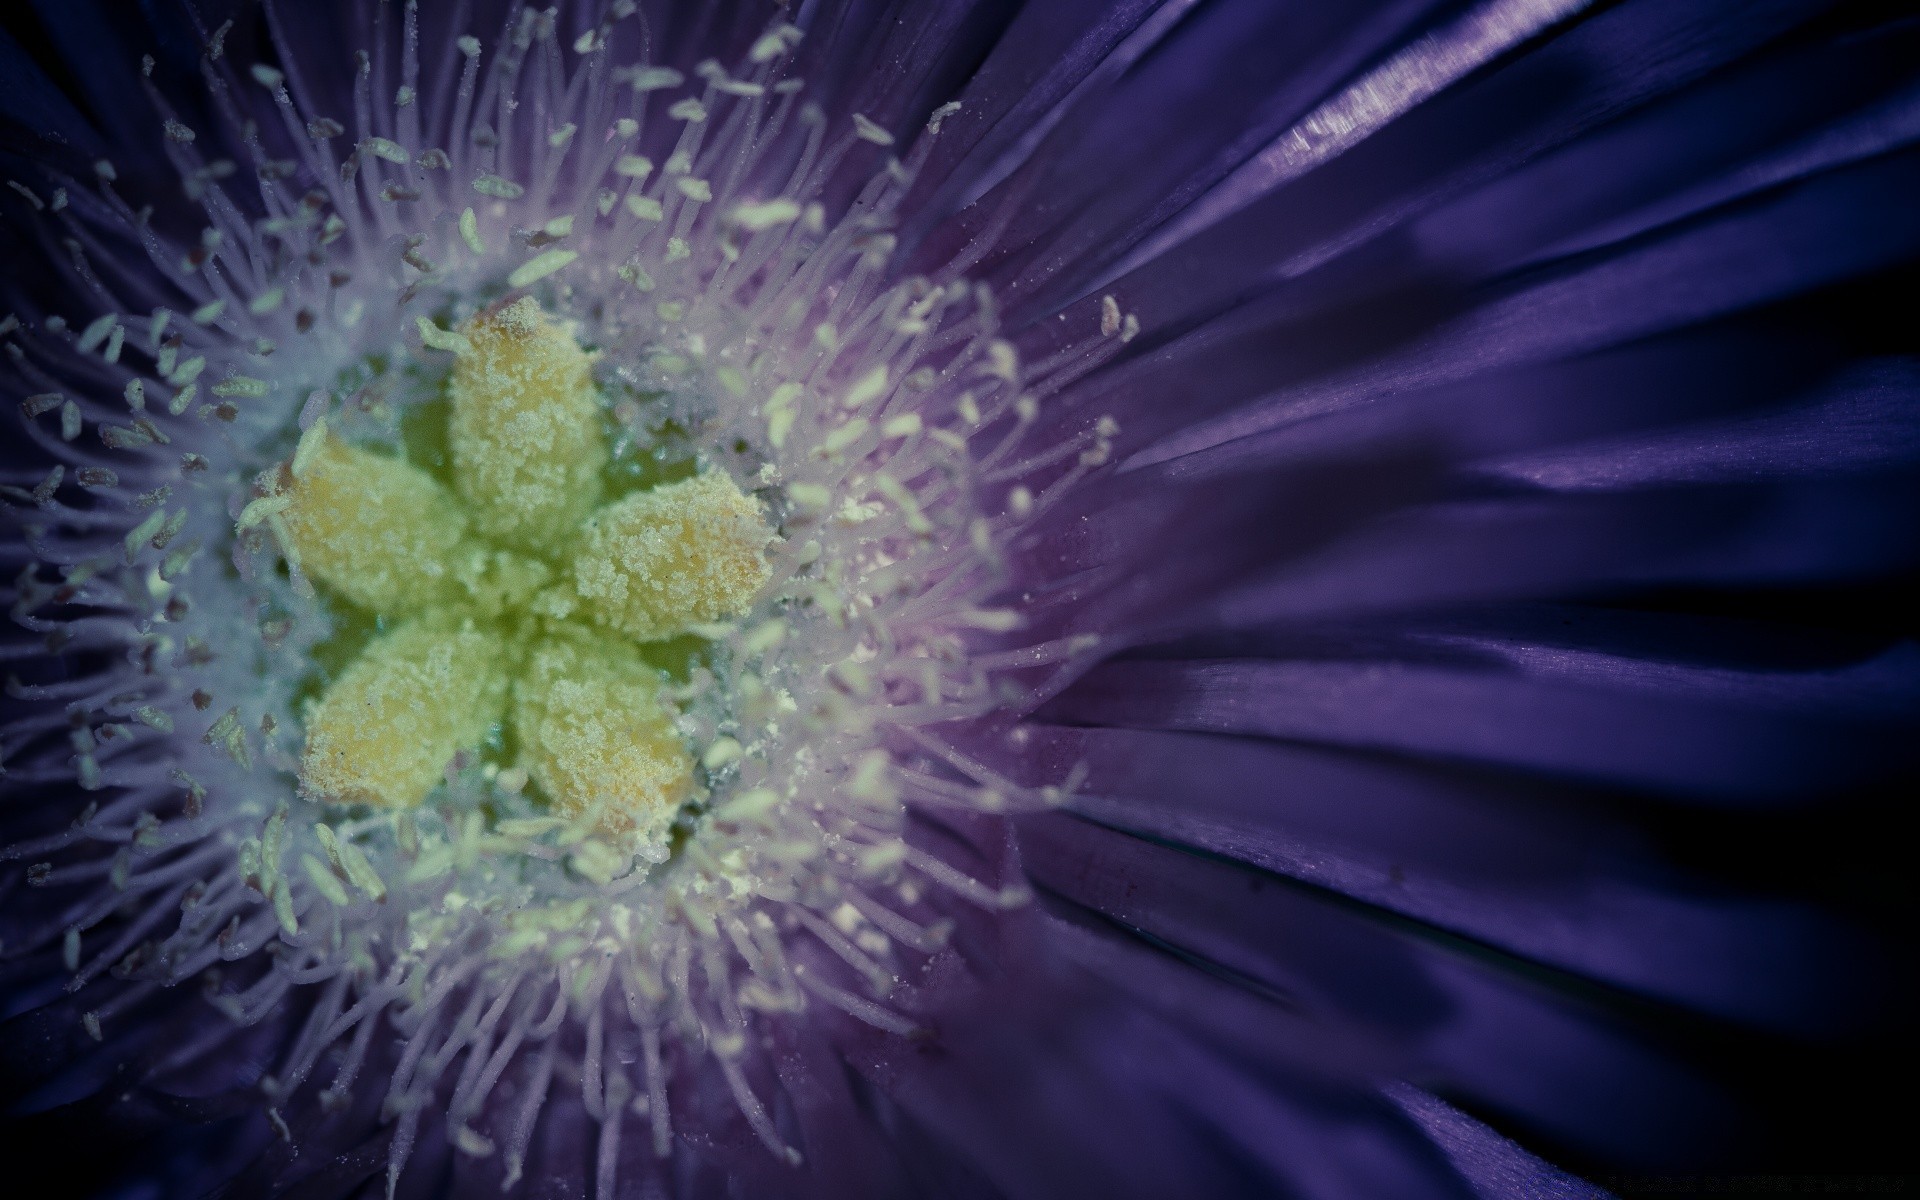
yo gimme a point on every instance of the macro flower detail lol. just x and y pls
(486, 631)
(874, 598)
(556, 645)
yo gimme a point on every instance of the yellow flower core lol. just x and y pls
(517, 598)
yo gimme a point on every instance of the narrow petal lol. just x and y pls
(1788, 241)
(1530, 721)
(1486, 1029)
(1497, 1166)
(1494, 859)
(1857, 423)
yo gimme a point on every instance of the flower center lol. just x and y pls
(518, 601)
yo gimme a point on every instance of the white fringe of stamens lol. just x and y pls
(892, 428)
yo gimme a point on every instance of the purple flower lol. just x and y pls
(903, 599)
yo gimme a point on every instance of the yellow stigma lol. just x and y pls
(527, 446)
(384, 731)
(683, 554)
(377, 530)
(520, 602)
(595, 737)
